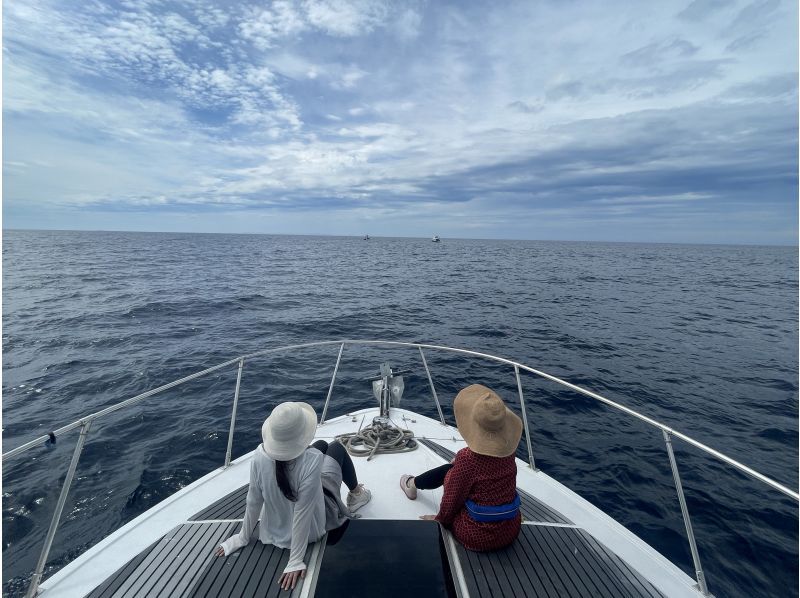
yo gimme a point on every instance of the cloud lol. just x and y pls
(565, 90)
(699, 10)
(407, 24)
(752, 25)
(657, 81)
(643, 161)
(138, 50)
(658, 52)
(525, 107)
(745, 42)
(784, 86)
(266, 27)
(755, 15)
(346, 17)
(508, 111)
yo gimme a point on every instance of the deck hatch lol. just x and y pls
(385, 559)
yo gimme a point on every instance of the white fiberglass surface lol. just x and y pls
(381, 475)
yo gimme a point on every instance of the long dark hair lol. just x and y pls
(283, 481)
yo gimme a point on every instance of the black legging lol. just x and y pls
(433, 478)
(339, 454)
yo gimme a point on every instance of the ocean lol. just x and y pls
(703, 338)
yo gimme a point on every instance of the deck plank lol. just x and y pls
(517, 584)
(477, 578)
(538, 581)
(606, 584)
(566, 556)
(552, 581)
(182, 579)
(149, 565)
(213, 575)
(171, 567)
(268, 561)
(230, 506)
(596, 582)
(251, 572)
(250, 569)
(621, 570)
(183, 550)
(115, 580)
(602, 568)
(551, 562)
(555, 565)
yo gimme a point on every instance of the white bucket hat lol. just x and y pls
(288, 430)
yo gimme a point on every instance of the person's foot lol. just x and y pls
(407, 484)
(357, 498)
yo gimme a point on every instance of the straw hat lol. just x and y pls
(288, 430)
(489, 427)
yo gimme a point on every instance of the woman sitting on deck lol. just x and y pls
(298, 487)
(480, 502)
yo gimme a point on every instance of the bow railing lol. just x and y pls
(668, 433)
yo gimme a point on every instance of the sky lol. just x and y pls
(540, 119)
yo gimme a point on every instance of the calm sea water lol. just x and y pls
(702, 338)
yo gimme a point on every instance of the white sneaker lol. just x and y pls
(411, 491)
(358, 498)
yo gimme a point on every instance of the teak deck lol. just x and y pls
(552, 558)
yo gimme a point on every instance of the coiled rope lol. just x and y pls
(380, 437)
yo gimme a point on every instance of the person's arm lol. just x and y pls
(255, 500)
(307, 495)
(456, 491)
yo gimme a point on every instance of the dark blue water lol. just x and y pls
(702, 338)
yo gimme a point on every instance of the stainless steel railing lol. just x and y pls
(85, 424)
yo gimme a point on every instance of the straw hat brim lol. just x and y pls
(499, 442)
(287, 450)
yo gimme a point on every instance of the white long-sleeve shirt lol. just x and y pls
(284, 523)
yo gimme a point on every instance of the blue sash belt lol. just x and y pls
(493, 512)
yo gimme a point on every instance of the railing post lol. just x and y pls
(531, 460)
(330, 390)
(233, 415)
(433, 388)
(62, 499)
(701, 580)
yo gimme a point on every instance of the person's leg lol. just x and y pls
(433, 478)
(339, 454)
(321, 446)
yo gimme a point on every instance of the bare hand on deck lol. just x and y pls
(219, 551)
(428, 517)
(289, 580)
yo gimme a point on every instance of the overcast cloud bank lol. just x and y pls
(672, 121)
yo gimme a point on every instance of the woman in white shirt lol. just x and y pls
(294, 489)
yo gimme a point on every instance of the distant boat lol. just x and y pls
(366, 237)
(436, 239)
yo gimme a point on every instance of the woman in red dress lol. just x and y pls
(480, 504)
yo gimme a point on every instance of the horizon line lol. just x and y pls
(269, 234)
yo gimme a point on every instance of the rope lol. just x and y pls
(380, 437)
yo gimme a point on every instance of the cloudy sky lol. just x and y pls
(669, 121)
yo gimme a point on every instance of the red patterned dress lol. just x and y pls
(486, 481)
